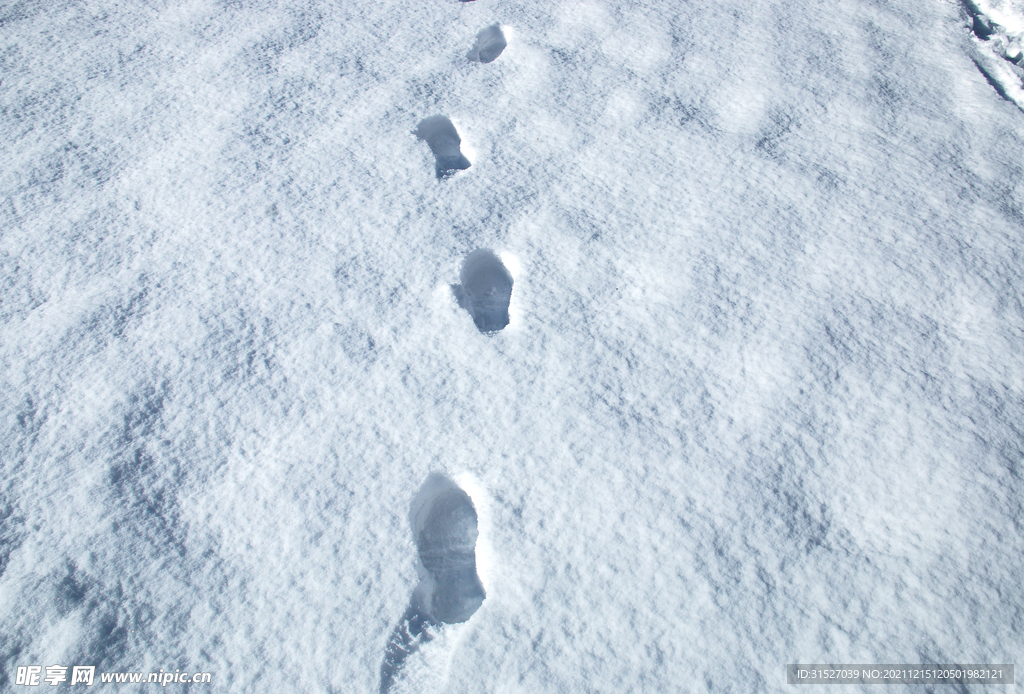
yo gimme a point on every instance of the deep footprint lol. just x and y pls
(444, 526)
(443, 139)
(486, 290)
(490, 42)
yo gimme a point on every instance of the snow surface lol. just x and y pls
(760, 400)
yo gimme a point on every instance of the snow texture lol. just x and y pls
(758, 402)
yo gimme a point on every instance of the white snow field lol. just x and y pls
(760, 398)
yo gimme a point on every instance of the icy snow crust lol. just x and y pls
(759, 401)
(997, 44)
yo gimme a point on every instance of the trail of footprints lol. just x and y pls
(486, 288)
(442, 516)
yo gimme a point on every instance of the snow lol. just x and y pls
(758, 401)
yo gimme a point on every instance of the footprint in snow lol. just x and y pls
(444, 527)
(443, 140)
(486, 290)
(490, 42)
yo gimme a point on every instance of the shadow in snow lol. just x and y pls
(439, 133)
(414, 629)
(981, 27)
(486, 290)
(444, 526)
(490, 42)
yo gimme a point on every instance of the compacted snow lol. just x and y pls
(708, 316)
